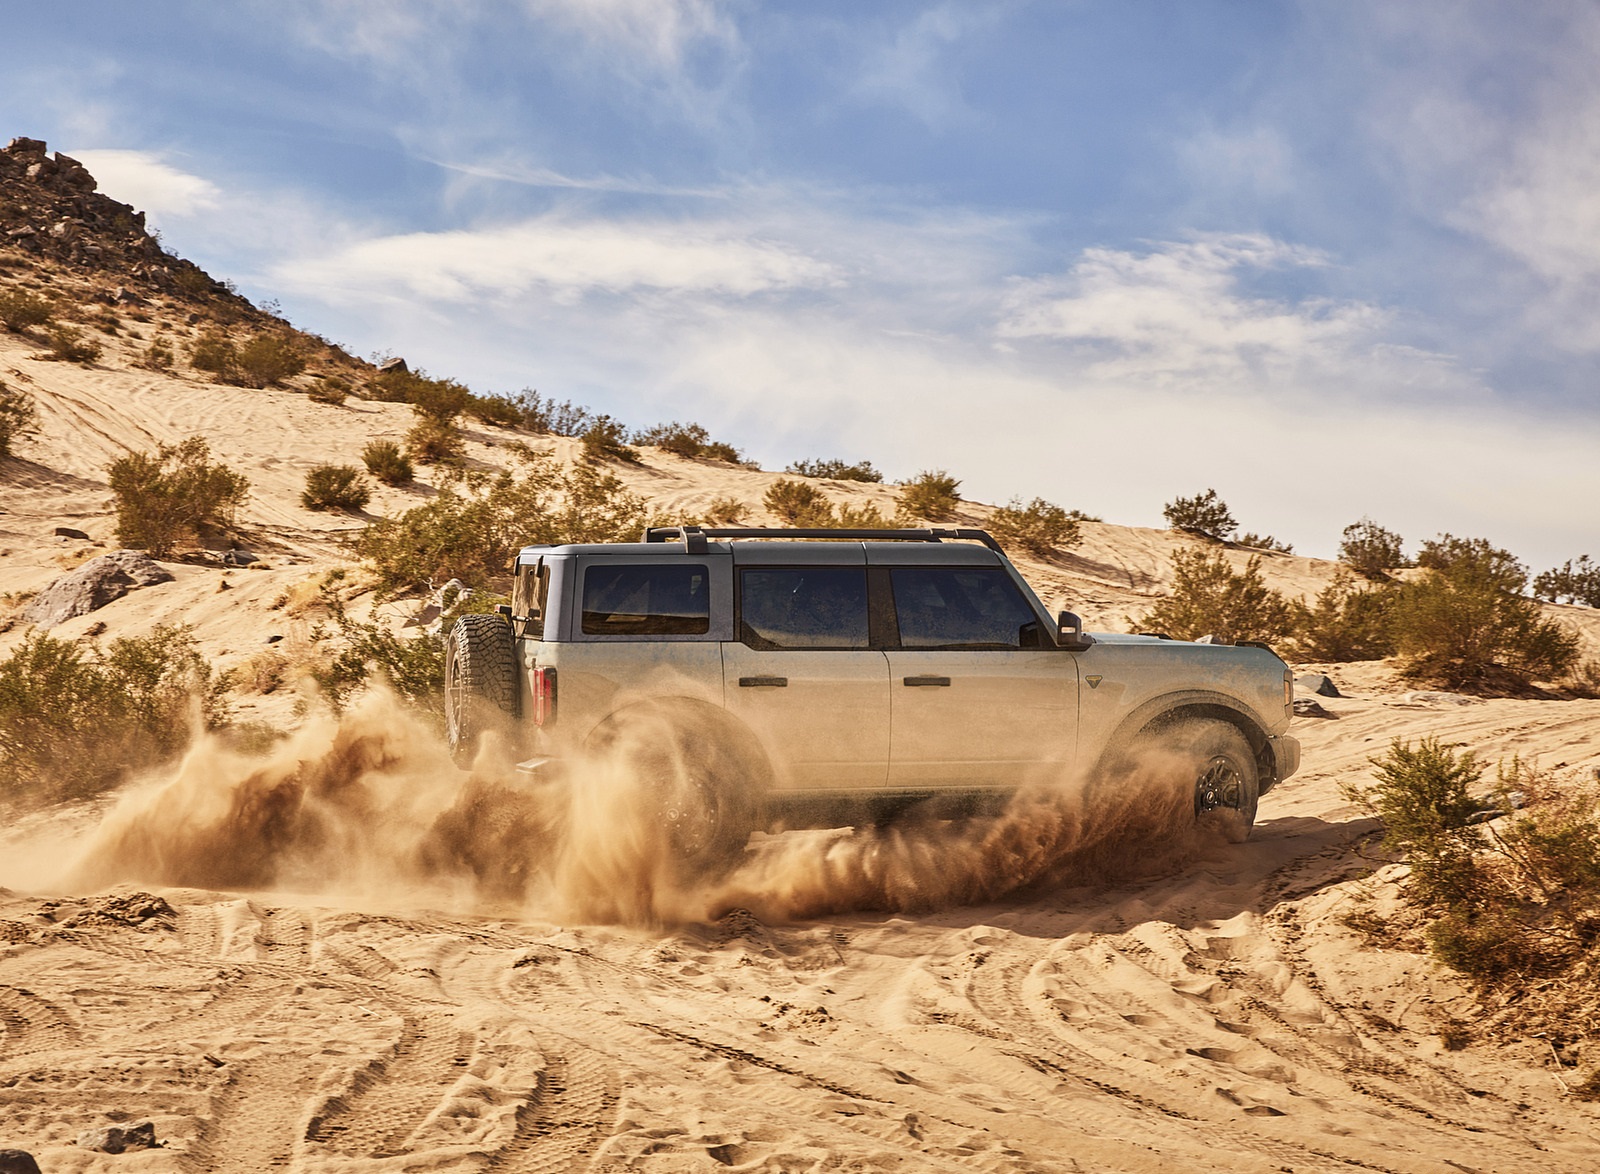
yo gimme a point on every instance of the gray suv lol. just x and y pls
(755, 677)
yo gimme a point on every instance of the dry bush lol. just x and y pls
(74, 722)
(213, 352)
(435, 442)
(834, 469)
(1205, 514)
(264, 673)
(21, 311)
(268, 359)
(861, 517)
(1370, 549)
(725, 511)
(68, 345)
(335, 487)
(1465, 623)
(797, 504)
(386, 461)
(1264, 542)
(471, 534)
(158, 356)
(330, 390)
(545, 414)
(1344, 624)
(1572, 582)
(930, 495)
(172, 495)
(687, 440)
(495, 410)
(1041, 527)
(605, 440)
(19, 416)
(1210, 599)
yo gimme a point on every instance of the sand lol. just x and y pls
(1194, 1005)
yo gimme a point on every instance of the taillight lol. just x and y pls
(544, 696)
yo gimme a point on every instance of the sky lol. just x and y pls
(1334, 260)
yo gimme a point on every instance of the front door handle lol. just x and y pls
(915, 681)
(760, 682)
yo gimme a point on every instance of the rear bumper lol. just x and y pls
(541, 769)
(1285, 758)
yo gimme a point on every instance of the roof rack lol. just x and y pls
(694, 537)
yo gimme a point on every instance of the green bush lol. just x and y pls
(67, 344)
(213, 352)
(433, 441)
(472, 534)
(1264, 542)
(605, 440)
(493, 409)
(687, 440)
(21, 311)
(1370, 549)
(335, 487)
(158, 356)
(330, 390)
(1041, 527)
(861, 517)
(1572, 582)
(74, 722)
(1344, 624)
(545, 414)
(388, 462)
(930, 495)
(1205, 514)
(798, 504)
(19, 416)
(725, 511)
(172, 495)
(1210, 599)
(837, 470)
(268, 359)
(1465, 624)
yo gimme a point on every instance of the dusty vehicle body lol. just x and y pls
(798, 672)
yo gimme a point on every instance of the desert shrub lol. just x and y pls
(798, 504)
(19, 416)
(441, 400)
(1264, 542)
(335, 487)
(931, 494)
(1210, 599)
(606, 440)
(213, 352)
(545, 414)
(1572, 582)
(1370, 549)
(837, 470)
(268, 359)
(173, 494)
(1344, 624)
(1041, 527)
(724, 511)
(493, 409)
(75, 721)
(21, 311)
(1465, 624)
(67, 344)
(687, 440)
(329, 389)
(435, 442)
(106, 322)
(861, 517)
(388, 462)
(1205, 514)
(471, 534)
(158, 356)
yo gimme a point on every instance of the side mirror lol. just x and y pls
(1070, 633)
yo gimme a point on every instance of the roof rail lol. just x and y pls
(694, 537)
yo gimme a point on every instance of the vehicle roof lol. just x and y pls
(767, 551)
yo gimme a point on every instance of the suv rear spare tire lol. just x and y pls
(480, 683)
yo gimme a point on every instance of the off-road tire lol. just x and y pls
(1227, 782)
(480, 684)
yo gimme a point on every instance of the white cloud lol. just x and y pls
(143, 179)
(564, 257)
(908, 71)
(658, 33)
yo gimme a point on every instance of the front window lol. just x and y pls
(961, 608)
(665, 599)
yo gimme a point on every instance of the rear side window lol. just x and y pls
(961, 608)
(803, 607)
(665, 599)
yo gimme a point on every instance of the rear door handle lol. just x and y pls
(760, 682)
(914, 681)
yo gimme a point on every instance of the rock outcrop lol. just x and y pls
(93, 585)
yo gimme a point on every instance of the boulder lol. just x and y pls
(69, 532)
(115, 1139)
(1316, 683)
(395, 364)
(22, 146)
(17, 1162)
(93, 585)
(238, 558)
(1307, 707)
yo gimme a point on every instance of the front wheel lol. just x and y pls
(1226, 778)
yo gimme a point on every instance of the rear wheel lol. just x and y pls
(480, 684)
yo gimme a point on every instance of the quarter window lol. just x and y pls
(961, 608)
(667, 599)
(804, 607)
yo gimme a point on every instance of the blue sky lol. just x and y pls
(1333, 259)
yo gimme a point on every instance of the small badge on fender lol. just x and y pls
(1094, 681)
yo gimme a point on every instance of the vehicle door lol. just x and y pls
(981, 695)
(802, 673)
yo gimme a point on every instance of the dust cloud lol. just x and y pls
(369, 806)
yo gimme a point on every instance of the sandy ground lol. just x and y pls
(1193, 1006)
